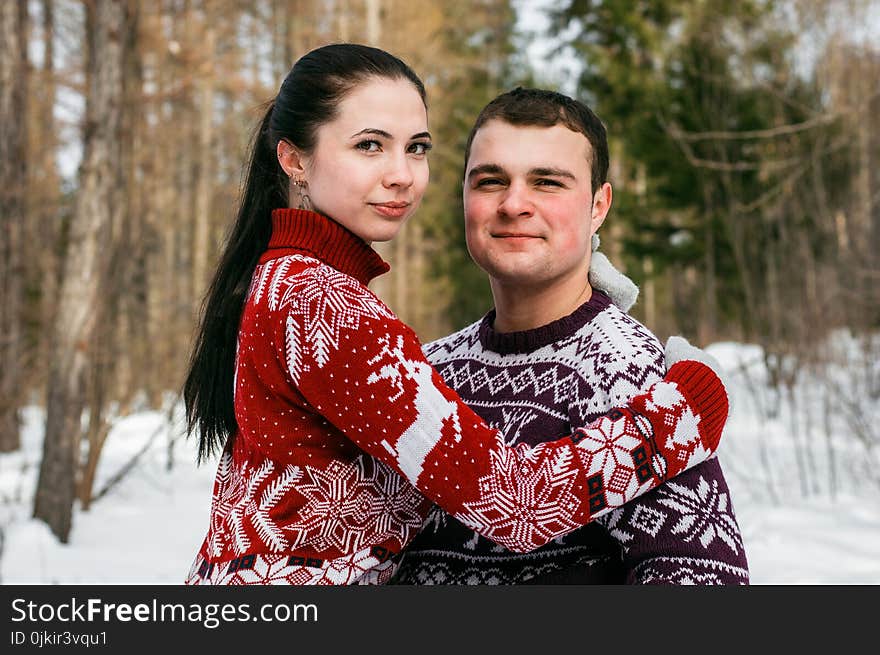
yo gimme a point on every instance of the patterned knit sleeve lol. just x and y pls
(683, 532)
(364, 371)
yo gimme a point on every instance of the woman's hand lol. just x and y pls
(679, 349)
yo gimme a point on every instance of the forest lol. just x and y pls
(745, 161)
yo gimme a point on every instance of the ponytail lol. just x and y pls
(209, 388)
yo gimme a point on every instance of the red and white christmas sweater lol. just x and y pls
(347, 436)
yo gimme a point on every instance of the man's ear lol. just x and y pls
(601, 206)
(290, 159)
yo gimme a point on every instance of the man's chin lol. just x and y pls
(512, 275)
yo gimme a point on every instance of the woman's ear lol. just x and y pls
(290, 159)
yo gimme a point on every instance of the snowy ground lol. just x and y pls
(147, 529)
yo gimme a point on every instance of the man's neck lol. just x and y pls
(520, 307)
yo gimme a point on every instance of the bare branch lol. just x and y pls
(770, 133)
(132, 463)
(765, 165)
(769, 195)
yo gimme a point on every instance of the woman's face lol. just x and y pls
(369, 168)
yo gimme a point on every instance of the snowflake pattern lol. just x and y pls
(352, 504)
(321, 303)
(516, 508)
(705, 513)
(608, 450)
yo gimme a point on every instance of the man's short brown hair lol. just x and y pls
(541, 108)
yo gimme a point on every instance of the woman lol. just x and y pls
(339, 436)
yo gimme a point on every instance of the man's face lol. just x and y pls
(528, 204)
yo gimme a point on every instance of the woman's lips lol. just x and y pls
(391, 209)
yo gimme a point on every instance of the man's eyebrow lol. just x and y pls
(485, 169)
(552, 172)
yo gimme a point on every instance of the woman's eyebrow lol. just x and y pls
(386, 135)
(373, 130)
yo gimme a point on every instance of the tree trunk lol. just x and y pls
(79, 299)
(162, 300)
(13, 177)
(44, 188)
(132, 370)
(204, 170)
(112, 347)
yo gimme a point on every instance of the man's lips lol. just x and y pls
(514, 235)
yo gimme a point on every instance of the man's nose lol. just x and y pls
(516, 201)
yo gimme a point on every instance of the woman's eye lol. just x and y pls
(369, 145)
(420, 148)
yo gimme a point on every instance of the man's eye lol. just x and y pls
(549, 183)
(369, 145)
(420, 148)
(488, 181)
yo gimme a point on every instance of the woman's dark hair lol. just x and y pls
(308, 98)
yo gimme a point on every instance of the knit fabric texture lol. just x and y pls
(347, 436)
(543, 382)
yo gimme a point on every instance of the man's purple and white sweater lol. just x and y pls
(542, 382)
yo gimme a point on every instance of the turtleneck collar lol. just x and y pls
(526, 341)
(299, 230)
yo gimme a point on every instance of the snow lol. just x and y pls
(147, 529)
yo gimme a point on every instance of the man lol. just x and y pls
(556, 352)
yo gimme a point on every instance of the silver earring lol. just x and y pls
(302, 187)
